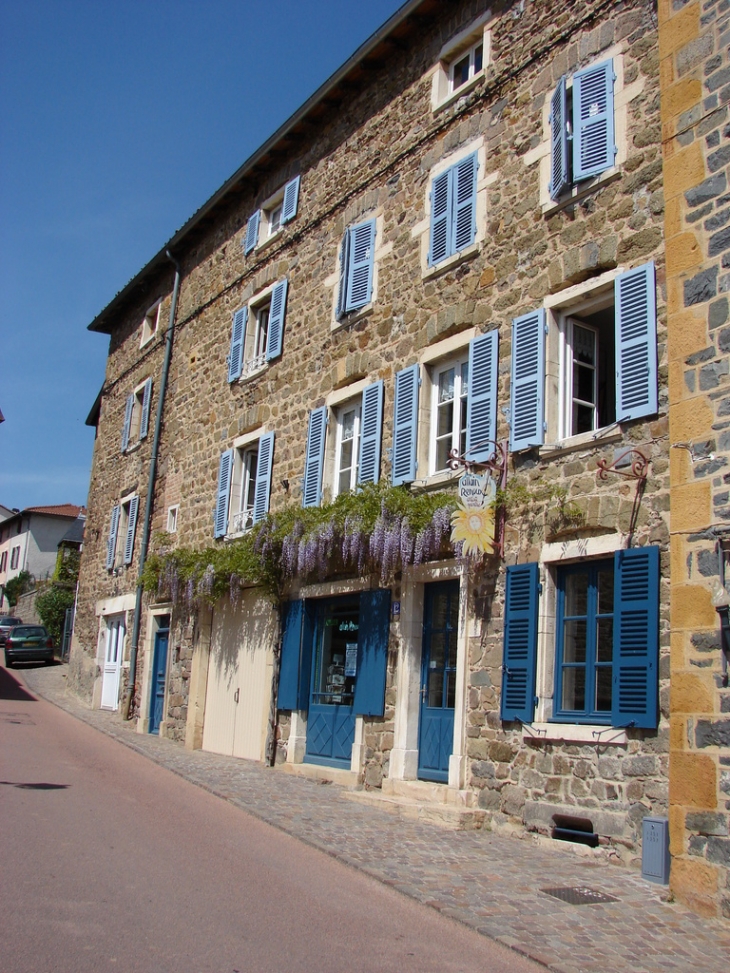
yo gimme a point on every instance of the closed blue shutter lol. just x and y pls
(636, 638)
(528, 381)
(559, 140)
(129, 407)
(520, 643)
(314, 461)
(263, 476)
(291, 200)
(636, 344)
(371, 432)
(238, 334)
(277, 315)
(344, 275)
(360, 275)
(441, 193)
(594, 146)
(372, 652)
(481, 403)
(405, 425)
(291, 640)
(144, 424)
(252, 232)
(131, 527)
(111, 544)
(464, 219)
(221, 502)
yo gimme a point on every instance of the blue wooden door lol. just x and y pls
(159, 669)
(438, 675)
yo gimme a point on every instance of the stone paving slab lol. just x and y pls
(492, 883)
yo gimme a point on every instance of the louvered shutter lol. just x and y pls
(291, 640)
(519, 664)
(252, 232)
(131, 528)
(594, 146)
(277, 314)
(441, 193)
(636, 343)
(144, 423)
(291, 200)
(238, 334)
(264, 463)
(371, 432)
(128, 409)
(225, 469)
(314, 461)
(464, 219)
(405, 425)
(344, 275)
(111, 544)
(481, 403)
(372, 653)
(528, 381)
(360, 276)
(559, 140)
(636, 638)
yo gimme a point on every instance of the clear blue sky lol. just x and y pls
(118, 119)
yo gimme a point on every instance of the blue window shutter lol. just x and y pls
(277, 314)
(464, 215)
(263, 476)
(291, 200)
(291, 641)
(636, 638)
(594, 146)
(360, 274)
(344, 275)
(131, 528)
(127, 422)
(111, 544)
(528, 381)
(405, 425)
(372, 652)
(144, 424)
(314, 461)
(481, 402)
(636, 345)
(238, 334)
(520, 643)
(252, 232)
(371, 432)
(441, 193)
(559, 140)
(225, 469)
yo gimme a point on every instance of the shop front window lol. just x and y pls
(335, 668)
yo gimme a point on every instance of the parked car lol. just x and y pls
(7, 623)
(28, 643)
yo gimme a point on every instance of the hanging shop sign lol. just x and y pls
(473, 521)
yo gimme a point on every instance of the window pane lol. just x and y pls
(574, 689)
(461, 71)
(576, 594)
(478, 58)
(583, 418)
(446, 385)
(604, 676)
(436, 687)
(605, 591)
(604, 640)
(574, 641)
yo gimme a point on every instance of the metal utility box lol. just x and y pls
(655, 850)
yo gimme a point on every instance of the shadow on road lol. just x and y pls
(35, 787)
(10, 688)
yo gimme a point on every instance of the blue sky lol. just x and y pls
(118, 119)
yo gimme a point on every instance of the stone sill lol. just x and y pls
(578, 192)
(252, 375)
(574, 733)
(435, 481)
(585, 440)
(453, 261)
(268, 241)
(460, 92)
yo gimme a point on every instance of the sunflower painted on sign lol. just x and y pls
(475, 527)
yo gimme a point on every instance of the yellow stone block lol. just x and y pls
(677, 816)
(667, 78)
(691, 506)
(679, 98)
(680, 467)
(690, 420)
(692, 779)
(683, 254)
(678, 734)
(694, 883)
(673, 209)
(691, 608)
(677, 387)
(678, 560)
(685, 168)
(691, 693)
(686, 333)
(680, 29)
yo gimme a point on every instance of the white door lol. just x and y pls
(115, 631)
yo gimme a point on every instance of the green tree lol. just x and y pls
(17, 586)
(51, 606)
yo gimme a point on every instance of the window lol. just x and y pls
(466, 66)
(14, 558)
(450, 385)
(356, 268)
(346, 454)
(150, 323)
(276, 211)
(461, 63)
(244, 484)
(137, 415)
(3, 562)
(123, 525)
(172, 513)
(243, 489)
(453, 209)
(257, 332)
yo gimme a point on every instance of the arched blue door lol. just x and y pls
(159, 671)
(438, 675)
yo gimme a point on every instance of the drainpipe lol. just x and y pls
(129, 691)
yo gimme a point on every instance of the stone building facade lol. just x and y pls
(457, 243)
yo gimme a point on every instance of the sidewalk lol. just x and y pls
(491, 883)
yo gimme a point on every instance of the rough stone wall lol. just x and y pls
(695, 74)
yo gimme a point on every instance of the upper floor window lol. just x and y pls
(14, 558)
(466, 65)
(150, 323)
(3, 562)
(137, 415)
(276, 211)
(123, 524)
(449, 394)
(461, 63)
(244, 484)
(257, 332)
(453, 209)
(172, 516)
(357, 253)
(346, 452)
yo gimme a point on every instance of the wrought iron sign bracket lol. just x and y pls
(631, 465)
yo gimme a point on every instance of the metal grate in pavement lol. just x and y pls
(579, 895)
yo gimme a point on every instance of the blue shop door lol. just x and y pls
(438, 674)
(159, 670)
(331, 720)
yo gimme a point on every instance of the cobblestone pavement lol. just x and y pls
(490, 882)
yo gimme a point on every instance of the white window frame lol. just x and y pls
(243, 488)
(466, 41)
(14, 558)
(150, 323)
(457, 432)
(352, 406)
(172, 518)
(253, 364)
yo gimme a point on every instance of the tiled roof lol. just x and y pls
(59, 510)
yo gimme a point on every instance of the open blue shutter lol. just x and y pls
(291, 200)
(372, 652)
(224, 486)
(464, 215)
(519, 663)
(238, 334)
(314, 461)
(360, 277)
(252, 232)
(528, 381)
(291, 640)
(371, 432)
(481, 402)
(131, 527)
(441, 193)
(594, 146)
(111, 544)
(405, 425)
(277, 315)
(559, 140)
(636, 638)
(144, 423)
(344, 275)
(636, 344)
(129, 407)
(263, 477)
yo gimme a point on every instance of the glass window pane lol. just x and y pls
(436, 688)
(478, 58)
(604, 678)
(574, 689)
(446, 386)
(604, 640)
(338, 629)
(605, 591)
(576, 594)
(574, 641)
(461, 72)
(445, 420)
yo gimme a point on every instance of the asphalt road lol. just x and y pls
(110, 862)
